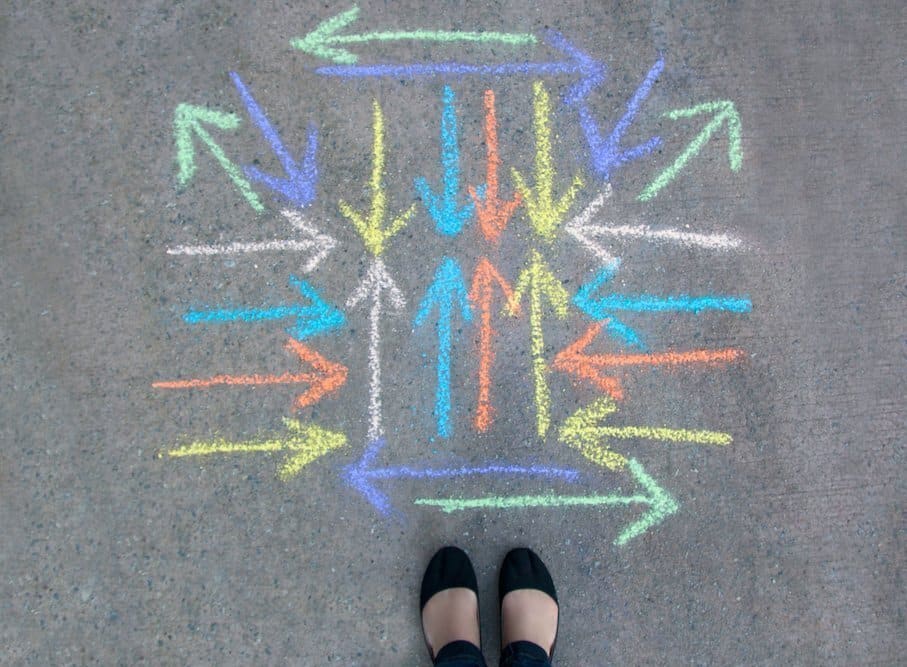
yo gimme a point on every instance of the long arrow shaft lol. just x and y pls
(470, 471)
(539, 366)
(665, 434)
(514, 39)
(239, 248)
(665, 358)
(247, 314)
(442, 394)
(261, 120)
(484, 408)
(519, 502)
(375, 427)
(417, 70)
(646, 303)
(237, 380)
(221, 446)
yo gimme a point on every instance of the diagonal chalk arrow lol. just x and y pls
(660, 503)
(378, 286)
(323, 41)
(299, 186)
(724, 112)
(449, 217)
(317, 317)
(328, 377)
(362, 475)
(305, 442)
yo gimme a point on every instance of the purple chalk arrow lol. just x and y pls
(360, 475)
(299, 186)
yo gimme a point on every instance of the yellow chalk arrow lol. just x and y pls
(308, 441)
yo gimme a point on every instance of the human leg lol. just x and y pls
(529, 611)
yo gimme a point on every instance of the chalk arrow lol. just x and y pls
(541, 284)
(724, 112)
(545, 213)
(298, 187)
(580, 229)
(447, 291)
(660, 503)
(189, 122)
(607, 154)
(449, 218)
(323, 40)
(362, 475)
(306, 443)
(583, 430)
(481, 293)
(590, 72)
(371, 226)
(378, 286)
(327, 378)
(492, 212)
(315, 318)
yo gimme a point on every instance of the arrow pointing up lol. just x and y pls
(448, 216)
(322, 40)
(378, 286)
(446, 292)
(724, 112)
(299, 186)
(189, 120)
(545, 213)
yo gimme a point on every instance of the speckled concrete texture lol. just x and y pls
(788, 544)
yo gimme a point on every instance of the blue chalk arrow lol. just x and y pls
(449, 219)
(613, 326)
(361, 475)
(313, 319)
(607, 155)
(590, 71)
(298, 187)
(447, 290)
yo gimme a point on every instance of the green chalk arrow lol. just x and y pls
(189, 120)
(322, 40)
(724, 112)
(661, 503)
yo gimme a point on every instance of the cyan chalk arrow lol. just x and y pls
(449, 218)
(446, 291)
(313, 319)
(298, 187)
(361, 475)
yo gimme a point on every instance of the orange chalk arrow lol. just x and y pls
(573, 359)
(328, 376)
(481, 294)
(492, 213)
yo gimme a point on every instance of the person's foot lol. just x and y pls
(529, 610)
(449, 600)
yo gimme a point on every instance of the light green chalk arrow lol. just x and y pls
(724, 112)
(661, 503)
(188, 122)
(322, 40)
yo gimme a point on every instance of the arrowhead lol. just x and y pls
(187, 120)
(538, 277)
(592, 72)
(572, 359)
(316, 42)
(311, 442)
(580, 229)
(583, 299)
(449, 219)
(298, 187)
(328, 377)
(661, 505)
(377, 281)
(493, 213)
(319, 317)
(356, 476)
(581, 431)
(447, 288)
(483, 280)
(323, 243)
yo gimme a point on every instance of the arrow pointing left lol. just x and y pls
(315, 318)
(188, 121)
(305, 442)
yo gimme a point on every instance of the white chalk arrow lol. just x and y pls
(377, 286)
(316, 242)
(580, 229)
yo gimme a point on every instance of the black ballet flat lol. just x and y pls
(522, 568)
(450, 567)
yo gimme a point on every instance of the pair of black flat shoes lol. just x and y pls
(450, 567)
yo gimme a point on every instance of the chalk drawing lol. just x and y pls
(298, 187)
(579, 228)
(724, 112)
(492, 212)
(541, 283)
(481, 294)
(305, 442)
(661, 503)
(323, 41)
(446, 291)
(313, 319)
(607, 155)
(448, 216)
(328, 377)
(377, 286)
(362, 475)
(317, 242)
(189, 121)
(371, 226)
(545, 213)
